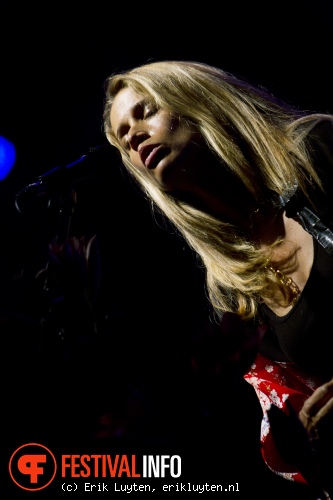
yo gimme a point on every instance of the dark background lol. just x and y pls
(55, 58)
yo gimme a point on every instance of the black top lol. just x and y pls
(304, 335)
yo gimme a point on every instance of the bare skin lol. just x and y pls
(294, 237)
(317, 406)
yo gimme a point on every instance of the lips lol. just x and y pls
(149, 155)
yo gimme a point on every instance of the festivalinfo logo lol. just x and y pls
(33, 466)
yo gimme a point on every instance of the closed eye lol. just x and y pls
(150, 109)
(142, 110)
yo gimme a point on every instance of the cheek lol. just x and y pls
(163, 123)
(174, 124)
(185, 132)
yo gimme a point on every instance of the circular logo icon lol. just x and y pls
(32, 466)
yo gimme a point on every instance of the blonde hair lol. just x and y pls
(260, 140)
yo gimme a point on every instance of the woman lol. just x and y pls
(248, 181)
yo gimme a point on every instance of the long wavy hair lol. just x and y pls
(259, 138)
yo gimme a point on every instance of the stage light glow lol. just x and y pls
(7, 157)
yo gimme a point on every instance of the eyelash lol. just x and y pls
(149, 110)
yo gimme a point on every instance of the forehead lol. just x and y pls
(122, 105)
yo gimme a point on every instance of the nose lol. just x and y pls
(135, 136)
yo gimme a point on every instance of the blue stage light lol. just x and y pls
(7, 157)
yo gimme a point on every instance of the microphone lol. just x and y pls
(97, 161)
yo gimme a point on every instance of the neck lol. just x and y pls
(268, 226)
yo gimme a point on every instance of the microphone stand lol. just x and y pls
(63, 280)
(61, 210)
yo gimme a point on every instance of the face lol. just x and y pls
(165, 148)
(173, 154)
